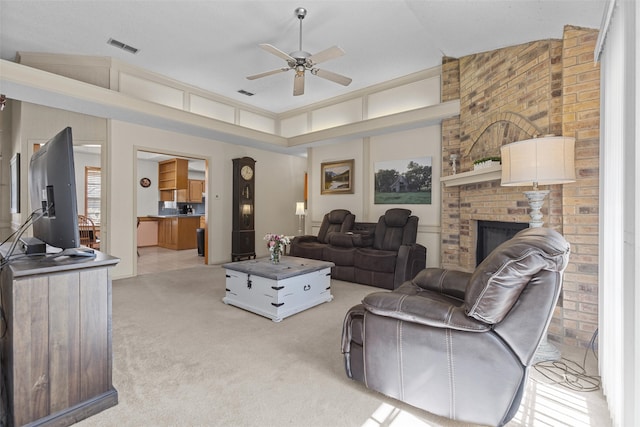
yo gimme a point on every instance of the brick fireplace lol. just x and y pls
(506, 95)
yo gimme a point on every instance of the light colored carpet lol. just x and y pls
(184, 358)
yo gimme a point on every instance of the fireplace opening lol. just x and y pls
(492, 233)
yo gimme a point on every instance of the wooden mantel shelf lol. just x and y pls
(491, 173)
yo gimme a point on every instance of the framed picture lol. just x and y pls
(402, 182)
(337, 177)
(15, 183)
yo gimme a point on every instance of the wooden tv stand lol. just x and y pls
(56, 351)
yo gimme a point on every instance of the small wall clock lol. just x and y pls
(145, 182)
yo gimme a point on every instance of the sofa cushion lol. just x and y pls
(339, 255)
(376, 260)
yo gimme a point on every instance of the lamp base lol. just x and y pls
(536, 200)
(546, 352)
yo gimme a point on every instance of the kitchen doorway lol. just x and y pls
(171, 218)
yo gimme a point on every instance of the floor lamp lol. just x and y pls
(546, 160)
(300, 213)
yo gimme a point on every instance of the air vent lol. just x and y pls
(120, 45)
(244, 92)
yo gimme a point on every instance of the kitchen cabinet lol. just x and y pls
(178, 232)
(196, 188)
(193, 194)
(167, 233)
(173, 175)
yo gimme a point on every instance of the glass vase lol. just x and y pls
(275, 256)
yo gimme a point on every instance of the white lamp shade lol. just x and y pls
(545, 161)
(299, 208)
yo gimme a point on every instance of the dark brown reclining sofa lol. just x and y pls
(383, 254)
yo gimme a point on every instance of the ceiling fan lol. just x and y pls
(301, 61)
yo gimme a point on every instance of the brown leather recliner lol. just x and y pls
(460, 344)
(338, 220)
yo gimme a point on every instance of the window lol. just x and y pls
(92, 193)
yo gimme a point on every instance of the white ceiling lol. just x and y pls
(214, 44)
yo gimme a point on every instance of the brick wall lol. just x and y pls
(581, 119)
(515, 93)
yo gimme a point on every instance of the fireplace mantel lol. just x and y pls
(491, 173)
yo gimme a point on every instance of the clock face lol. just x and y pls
(246, 172)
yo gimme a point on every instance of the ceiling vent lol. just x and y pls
(120, 45)
(244, 92)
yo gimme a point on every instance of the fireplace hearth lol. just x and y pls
(490, 234)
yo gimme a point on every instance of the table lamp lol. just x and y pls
(300, 212)
(539, 161)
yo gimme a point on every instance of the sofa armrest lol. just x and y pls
(411, 260)
(351, 239)
(427, 308)
(304, 239)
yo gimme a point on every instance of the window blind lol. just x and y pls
(92, 193)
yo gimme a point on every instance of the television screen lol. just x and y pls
(52, 189)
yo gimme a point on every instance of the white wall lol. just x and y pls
(147, 197)
(279, 184)
(421, 142)
(36, 124)
(415, 143)
(320, 204)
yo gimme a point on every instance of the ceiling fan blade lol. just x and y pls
(325, 55)
(268, 73)
(277, 52)
(334, 77)
(298, 84)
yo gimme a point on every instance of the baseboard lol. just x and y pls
(80, 411)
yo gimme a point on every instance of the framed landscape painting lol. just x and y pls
(337, 177)
(401, 182)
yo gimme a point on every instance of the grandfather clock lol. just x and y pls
(243, 235)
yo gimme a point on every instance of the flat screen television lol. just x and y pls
(52, 190)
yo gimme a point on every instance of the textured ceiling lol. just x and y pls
(213, 44)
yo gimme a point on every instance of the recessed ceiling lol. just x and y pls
(213, 45)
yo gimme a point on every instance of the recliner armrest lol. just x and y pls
(447, 282)
(426, 308)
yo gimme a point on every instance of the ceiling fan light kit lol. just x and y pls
(301, 61)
